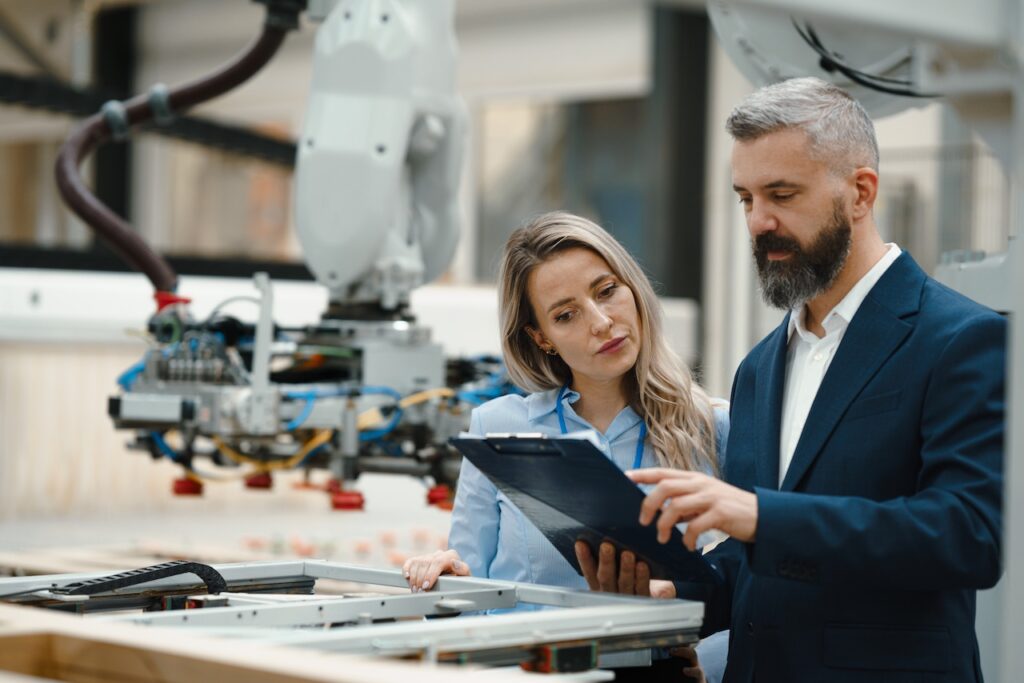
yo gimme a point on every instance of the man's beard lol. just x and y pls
(806, 273)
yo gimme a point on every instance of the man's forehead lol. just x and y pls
(774, 160)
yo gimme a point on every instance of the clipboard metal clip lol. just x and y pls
(523, 443)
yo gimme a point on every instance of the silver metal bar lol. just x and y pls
(554, 596)
(264, 334)
(328, 611)
(246, 599)
(467, 634)
(321, 569)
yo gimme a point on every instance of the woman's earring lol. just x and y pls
(551, 351)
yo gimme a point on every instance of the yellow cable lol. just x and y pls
(373, 417)
(322, 437)
(231, 454)
(422, 396)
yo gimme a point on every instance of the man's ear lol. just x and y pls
(865, 181)
(536, 336)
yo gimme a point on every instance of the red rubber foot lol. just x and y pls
(261, 480)
(187, 487)
(438, 494)
(333, 485)
(347, 500)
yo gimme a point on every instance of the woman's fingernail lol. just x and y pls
(456, 565)
(426, 584)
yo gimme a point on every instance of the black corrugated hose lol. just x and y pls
(282, 16)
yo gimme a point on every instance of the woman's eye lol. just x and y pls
(563, 317)
(607, 291)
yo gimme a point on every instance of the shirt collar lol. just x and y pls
(543, 403)
(841, 316)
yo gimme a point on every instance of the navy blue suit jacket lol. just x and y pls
(867, 558)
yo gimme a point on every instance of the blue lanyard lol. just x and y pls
(637, 459)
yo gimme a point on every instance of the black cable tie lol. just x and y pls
(117, 119)
(160, 104)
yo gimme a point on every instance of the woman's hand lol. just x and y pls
(620, 574)
(609, 573)
(422, 571)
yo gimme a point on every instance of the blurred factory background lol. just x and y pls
(610, 108)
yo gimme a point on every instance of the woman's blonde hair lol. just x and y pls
(676, 409)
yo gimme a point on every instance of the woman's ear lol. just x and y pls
(537, 337)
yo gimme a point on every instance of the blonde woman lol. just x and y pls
(581, 329)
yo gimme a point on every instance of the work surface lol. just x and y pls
(396, 523)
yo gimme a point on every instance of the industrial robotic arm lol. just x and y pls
(381, 148)
(363, 389)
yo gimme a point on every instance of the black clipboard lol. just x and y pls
(571, 491)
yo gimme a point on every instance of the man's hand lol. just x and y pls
(703, 502)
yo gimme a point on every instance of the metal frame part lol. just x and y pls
(604, 622)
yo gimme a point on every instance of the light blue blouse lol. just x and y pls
(493, 537)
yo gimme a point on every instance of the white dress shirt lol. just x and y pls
(809, 356)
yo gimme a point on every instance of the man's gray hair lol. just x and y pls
(839, 131)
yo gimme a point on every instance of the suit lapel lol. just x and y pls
(874, 334)
(771, 378)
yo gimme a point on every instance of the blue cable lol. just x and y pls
(162, 446)
(477, 397)
(310, 398)
(128, 377)
(302, 416)
(310, 455)
(387, 391)
(375, 434)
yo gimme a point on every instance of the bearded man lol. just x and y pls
(863, 470)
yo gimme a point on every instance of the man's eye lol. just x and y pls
(784, 197)
(745, 201)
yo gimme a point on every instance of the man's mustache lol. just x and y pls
(771, 242)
